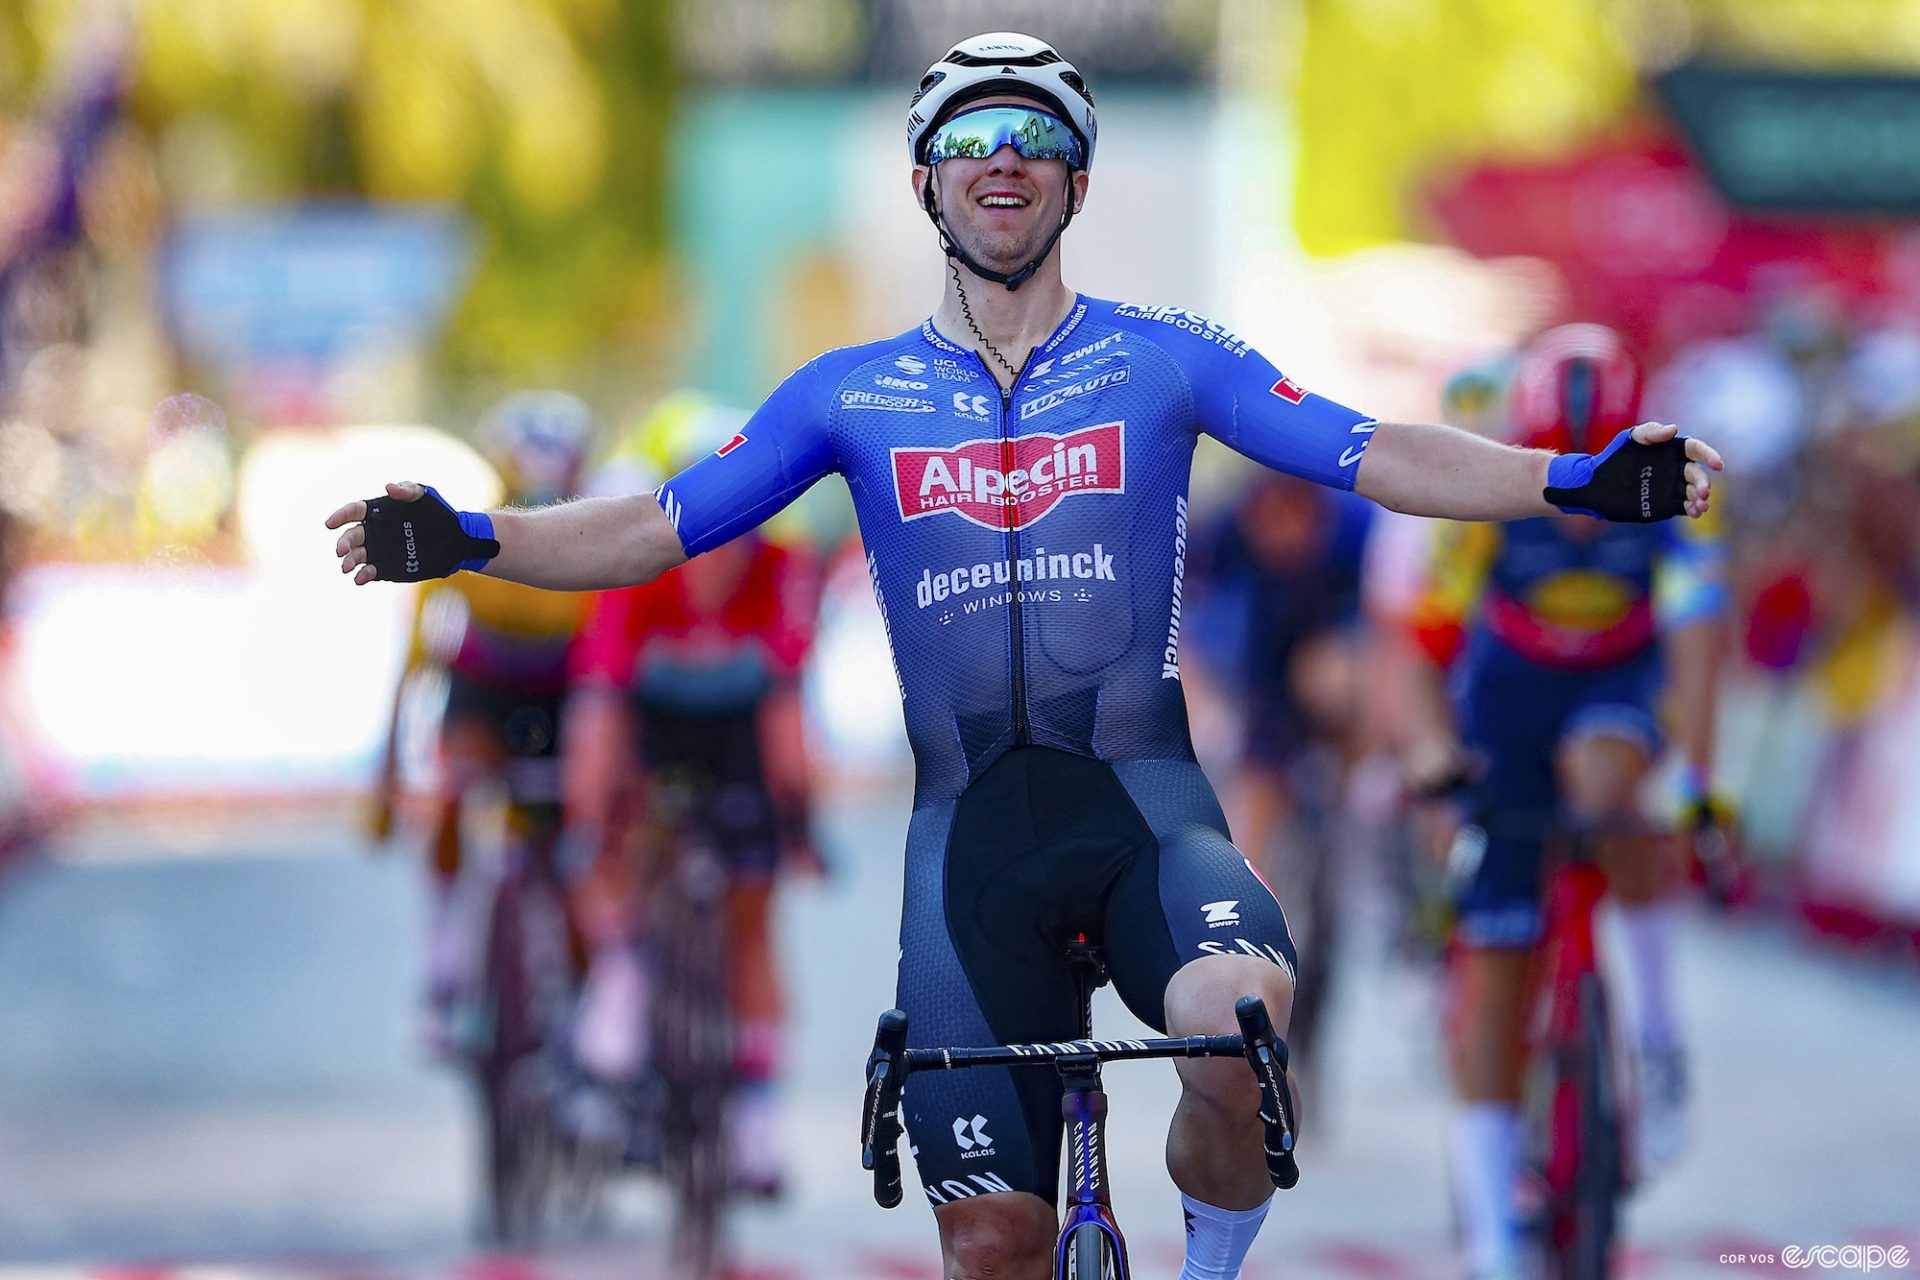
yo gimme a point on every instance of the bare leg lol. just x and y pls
(1213, 1147)
(1004, 1235)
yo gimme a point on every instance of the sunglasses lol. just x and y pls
(977, 134)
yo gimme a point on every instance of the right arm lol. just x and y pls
(590, 544)
(600, 543)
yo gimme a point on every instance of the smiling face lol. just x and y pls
(1001, 209)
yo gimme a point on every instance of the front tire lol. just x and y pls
(1090, 1254)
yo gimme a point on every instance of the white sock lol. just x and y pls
(1486, 1161)
(1650, 929)
(1218, 1239)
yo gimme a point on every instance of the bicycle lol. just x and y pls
(508, 1022)
(693, 1032)
(1090, 1246)
(670, 1120)
(1576, 1095)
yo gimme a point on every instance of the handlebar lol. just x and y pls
(880, 1120)
(891, 1061)
(1267, 1054)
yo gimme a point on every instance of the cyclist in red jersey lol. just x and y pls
(691, 681)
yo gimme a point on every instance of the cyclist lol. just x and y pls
(503, 647)
(1019, 465)
(1276, 618)
(1552, 628)
(702, 666)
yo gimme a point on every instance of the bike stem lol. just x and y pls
(1084, 1108)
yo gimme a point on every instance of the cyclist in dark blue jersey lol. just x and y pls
(1019, 466)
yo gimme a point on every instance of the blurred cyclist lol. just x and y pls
(1276, 619)
(503, 648)
(1552, 631)
(1019, 464)
(693, 678)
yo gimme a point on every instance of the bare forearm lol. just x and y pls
(591, 544)
(1424, 469)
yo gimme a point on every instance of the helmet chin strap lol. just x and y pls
(1014, 279)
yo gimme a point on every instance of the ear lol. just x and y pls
(1077, 184)
(923, 192)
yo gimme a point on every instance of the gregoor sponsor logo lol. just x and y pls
(1054, 399)
(1042, 566)
(1009, 484)
(886, 403)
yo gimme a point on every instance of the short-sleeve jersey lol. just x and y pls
(1536, 588)
(1026, 547)
(670, 648)
(497, 632)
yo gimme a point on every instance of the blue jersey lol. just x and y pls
(1027, 546)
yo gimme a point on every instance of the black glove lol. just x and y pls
(411, 541)
(1627, 482)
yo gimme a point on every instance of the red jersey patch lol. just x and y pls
(1009, 484)
(1289, 390)
(739, 438)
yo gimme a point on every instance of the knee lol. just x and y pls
(1201, 997)
(989, 1241)
(1200, 1001)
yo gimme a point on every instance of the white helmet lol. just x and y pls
(1000, 62)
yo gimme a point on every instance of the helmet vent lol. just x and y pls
(961, 58)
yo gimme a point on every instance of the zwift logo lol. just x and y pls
(1009, 484)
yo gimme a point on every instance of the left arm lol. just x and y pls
(1429, 470)
(1424, 469)
(1243, 401)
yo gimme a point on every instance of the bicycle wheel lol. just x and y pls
(1090, 1255)
(1582, 1164)
(694, 1047)
(508, 1143)
(520, 1144)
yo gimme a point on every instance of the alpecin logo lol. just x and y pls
(1002, 484)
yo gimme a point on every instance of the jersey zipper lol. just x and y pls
(1022, 725)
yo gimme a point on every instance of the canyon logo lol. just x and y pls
(1009, 484)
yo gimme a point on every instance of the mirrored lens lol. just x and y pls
(975, 135)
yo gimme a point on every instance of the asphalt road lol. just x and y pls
(209, 1066)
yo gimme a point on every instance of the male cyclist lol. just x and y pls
(504, 648)
(1018, 465)
(1555, 629)
(699, 670)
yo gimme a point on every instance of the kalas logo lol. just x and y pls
(1009, 484)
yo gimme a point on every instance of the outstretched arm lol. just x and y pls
(1428, 470)
(585, 545)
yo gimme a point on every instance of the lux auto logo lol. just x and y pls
(1009, 484)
